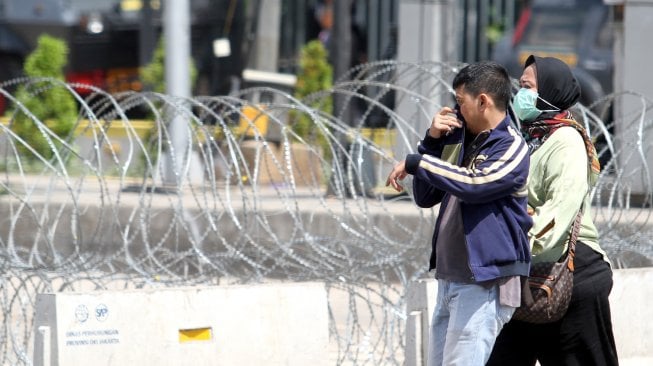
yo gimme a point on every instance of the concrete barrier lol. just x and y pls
(281, 324)
(630, 303)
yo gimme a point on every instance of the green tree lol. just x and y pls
(153, 75)
(48, 101)
(315, 75)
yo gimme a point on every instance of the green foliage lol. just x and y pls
(315, 75)
(315, 72)
(153, 74)
(496, 29)
(50, 103)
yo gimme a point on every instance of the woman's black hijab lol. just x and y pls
(558, 86)
(555, 83)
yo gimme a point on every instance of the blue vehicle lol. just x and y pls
(579, 32)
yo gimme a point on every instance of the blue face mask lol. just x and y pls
(524, 104)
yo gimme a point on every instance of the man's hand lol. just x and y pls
(398, 173)
(444, 122)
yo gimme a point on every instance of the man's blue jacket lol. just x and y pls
(492, 193)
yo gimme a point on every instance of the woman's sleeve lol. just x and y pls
(565, 187)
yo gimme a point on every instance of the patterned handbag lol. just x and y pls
(550, 284)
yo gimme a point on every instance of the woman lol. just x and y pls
(563, 168)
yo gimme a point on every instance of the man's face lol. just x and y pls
(468, 106)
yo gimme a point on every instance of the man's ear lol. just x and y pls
(482, 100)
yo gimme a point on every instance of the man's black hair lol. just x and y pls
(486, 77)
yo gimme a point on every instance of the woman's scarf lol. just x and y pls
(538, 131)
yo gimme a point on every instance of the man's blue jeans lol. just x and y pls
(466, 321)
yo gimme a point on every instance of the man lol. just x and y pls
(480, 247)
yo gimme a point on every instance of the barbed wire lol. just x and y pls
(247, 197)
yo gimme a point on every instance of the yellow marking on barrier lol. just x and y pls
(117, 128)
(382, 137)
(196, 334)
(252, 114)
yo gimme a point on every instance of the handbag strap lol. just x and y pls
(575, 229)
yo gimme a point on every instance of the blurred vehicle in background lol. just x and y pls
(579, 32)
(106, 44)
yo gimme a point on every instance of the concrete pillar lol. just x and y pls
(267, 36)
(177, 37)
(631, 71)
(180, 161)
(427, 31)
(638, 17)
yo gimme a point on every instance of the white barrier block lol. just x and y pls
(280, 324)
(420, 302)
(630, 306)
(632, 314)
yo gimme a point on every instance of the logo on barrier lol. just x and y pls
(101, 312)
(81, 313)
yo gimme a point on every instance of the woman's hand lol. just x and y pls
(444, 122)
